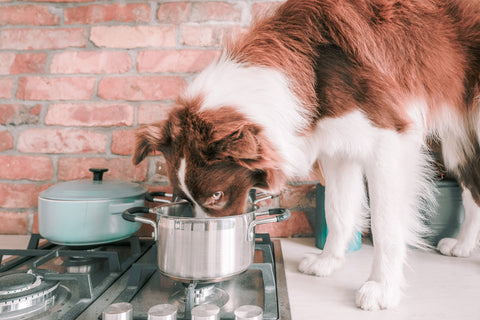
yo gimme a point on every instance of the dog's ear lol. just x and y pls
(150, 138)
(240, 144)
(269, 179)
(246, 145)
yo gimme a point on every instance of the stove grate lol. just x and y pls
(102, 265)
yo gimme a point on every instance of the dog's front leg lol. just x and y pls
(344, 208)
(394, 175)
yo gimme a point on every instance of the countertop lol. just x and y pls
(438, 287)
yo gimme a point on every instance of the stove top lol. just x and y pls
(57, 282)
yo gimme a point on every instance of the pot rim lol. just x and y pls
(157, 210)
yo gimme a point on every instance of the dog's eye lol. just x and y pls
(214, 200)
(217, 195)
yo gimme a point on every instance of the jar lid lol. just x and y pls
(98, 189)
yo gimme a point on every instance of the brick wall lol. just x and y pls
(78, 76)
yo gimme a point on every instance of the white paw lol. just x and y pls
(376, 296)
(320, 264)
(452, 247)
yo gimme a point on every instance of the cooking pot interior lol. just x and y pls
(185, 210)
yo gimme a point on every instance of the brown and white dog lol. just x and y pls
(357, 85)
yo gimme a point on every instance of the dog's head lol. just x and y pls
(213, 157)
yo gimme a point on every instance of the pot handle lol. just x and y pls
(130, 215)
(279, 215)
(264, 196)
(261, 196)
(154, 196)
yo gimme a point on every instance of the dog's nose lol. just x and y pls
(177, 198)
(199, 212)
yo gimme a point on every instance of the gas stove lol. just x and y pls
(48, 281)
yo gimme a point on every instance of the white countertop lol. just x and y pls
(13, 242)
(438, 287)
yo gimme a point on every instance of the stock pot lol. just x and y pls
(89, 211)
(204, 249)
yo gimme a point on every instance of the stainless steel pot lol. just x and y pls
(89, 212)
(204, 249)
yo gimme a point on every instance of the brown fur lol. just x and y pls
(341, 54)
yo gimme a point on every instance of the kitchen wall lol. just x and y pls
(78, 76)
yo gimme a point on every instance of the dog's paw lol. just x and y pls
(377, 296)
(321, 265)
(453, 247)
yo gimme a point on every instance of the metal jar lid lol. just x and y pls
(162, 312)
(94, 189)
(206, 312)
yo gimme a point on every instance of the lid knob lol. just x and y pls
(206, 312)
(162, 312)
(98, 173)
(249, 312)
(118, 311)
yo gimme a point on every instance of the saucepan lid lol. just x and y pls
(92, 189)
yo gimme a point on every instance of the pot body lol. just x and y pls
(79, 223)
(203, 249)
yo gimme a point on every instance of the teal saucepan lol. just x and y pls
(88, 212)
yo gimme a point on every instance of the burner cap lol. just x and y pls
(17, 282)
(24, 290)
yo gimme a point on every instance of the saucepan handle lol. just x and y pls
(261, 196)
(277, 215)
(131, 215)
(157, 196)
(265, 196)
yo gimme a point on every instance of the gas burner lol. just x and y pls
(95, 247)
(27, 293)
(80, 260)
(207, 293)
(195, 294)
(82, 251)
(18, 282)
(77, 264)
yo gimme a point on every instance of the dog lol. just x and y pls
(357, 86)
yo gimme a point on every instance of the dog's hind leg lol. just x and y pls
(467, 169)
(397, 174)
(344, 210)
(468, 235)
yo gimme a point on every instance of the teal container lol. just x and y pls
(88, 212)
(321, 229)
(449, 212)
